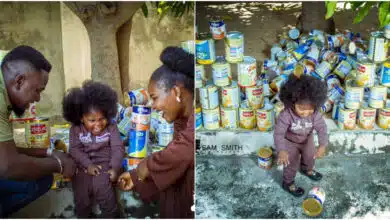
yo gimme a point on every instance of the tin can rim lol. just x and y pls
(38, 119)
(312, 207)
(234, 34)
(265, 152)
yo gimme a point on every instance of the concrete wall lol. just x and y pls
(37, 24)
(147, 40)
(76, 48)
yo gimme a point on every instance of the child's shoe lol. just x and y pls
(314, 175)
(292, 189)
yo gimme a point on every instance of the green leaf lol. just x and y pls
(355, 5)
(363, 12)
(330, 8)
(145, 9)
(387, 20)
(162, 15)
(382, 13)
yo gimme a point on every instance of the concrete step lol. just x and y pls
(59, 204)
(247, 142)
(234, 187)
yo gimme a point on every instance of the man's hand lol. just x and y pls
(94, 170)
(320, 152)
(142, 170)
(69, 166)
(113, 175)
(125, 182)
(283, 158)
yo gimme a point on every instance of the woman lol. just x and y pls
(168, 175)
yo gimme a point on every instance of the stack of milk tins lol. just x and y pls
(138, 123)
(356, 74)
(227, 103)
(356, 71)
(365, 87)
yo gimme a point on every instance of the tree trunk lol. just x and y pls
(102, 21)
(313, 17)
(104, 56)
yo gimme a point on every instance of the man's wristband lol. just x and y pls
(59, 162)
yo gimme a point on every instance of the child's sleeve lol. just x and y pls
(322, 131)
(280, 131)
(117, 148)
(76, 151)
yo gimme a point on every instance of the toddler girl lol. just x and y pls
(95, 146)
(293, 135)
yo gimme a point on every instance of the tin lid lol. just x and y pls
(265, 152)
(234, 35)
(299, 70)
(281, 55)
(377, 34)
(312, 207)
(275, 49)
(141, 109)
(294, 33)
(249, 59)
(38, 119)
(292, 45)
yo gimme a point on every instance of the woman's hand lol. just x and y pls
(125, 182)
(142, 170)
(94, 170)
(283, 158)
(113, 175)
(320, 152)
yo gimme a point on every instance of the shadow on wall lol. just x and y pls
(37, 24)
(76, 49)
(147, 41)
(139, 41)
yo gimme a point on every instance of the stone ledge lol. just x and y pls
(245, 142)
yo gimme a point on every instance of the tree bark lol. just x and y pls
(313, 17)
(102, 21)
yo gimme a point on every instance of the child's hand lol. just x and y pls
(320, 152)
(94, 170)
(125, 182)
(142, 170)
(283, 158)
(113, 175)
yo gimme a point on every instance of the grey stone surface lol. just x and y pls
(234, 187)
(59, 204)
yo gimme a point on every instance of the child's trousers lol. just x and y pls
(299, 155)
(89, 190)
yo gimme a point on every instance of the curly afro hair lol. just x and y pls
(304, 89)
(91, 96)
(178, 67)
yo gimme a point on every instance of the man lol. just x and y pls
(25, 173)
